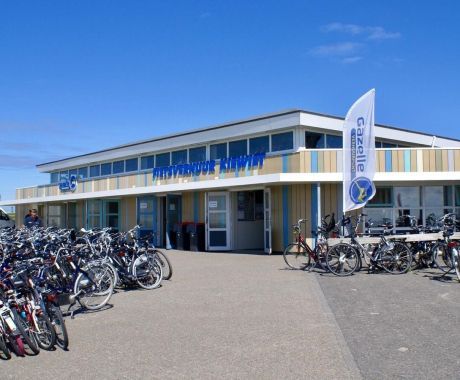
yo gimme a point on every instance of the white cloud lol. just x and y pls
(350, 60)
(339, 49)
(374, 33)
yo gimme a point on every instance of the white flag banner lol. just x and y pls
(359, 153)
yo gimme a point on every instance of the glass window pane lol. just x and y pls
(73, 172)
(218, 151)
(106, 169)
(83, 172)
(379, 216)
(314, 140)
(162, 160)
(111, 207)
(238, 148)
(197, 154)
(179, 157)
(282, 141)
(95, 171)
(64, 175)
(407, 196)
(259, 145)
(378, 144)
(147, 162)
(334, 142)
(457, 195)
(432, 215)
(388, 145)
(94, 207)
(403, 217)
(218, 220)
(383, 197)
(131, 165)
(434, 196)
(118, 167)
(54, 177)
(448, 198)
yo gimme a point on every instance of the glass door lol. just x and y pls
(147, 216)
(267, 222)
(218, 221)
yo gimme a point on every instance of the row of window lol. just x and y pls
(269, 143)
(262, 144)
(314, 140)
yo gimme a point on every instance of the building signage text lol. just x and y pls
(209, 167)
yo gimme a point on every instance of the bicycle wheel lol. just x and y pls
(26, 334)
(342, 259)
(441, 257)
(62, 338)
(148, 271)
(45, 336)
(165, 265)
(296, 257)
(396, 260)
(94, 287)
(4, 348)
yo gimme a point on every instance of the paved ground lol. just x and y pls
(221, 316)
(245, 316)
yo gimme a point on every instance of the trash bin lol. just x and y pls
(197, 236)
(177, 241)
(186, 226)
(192, 237)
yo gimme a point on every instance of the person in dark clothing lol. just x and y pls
(32, 220)
(27, 215)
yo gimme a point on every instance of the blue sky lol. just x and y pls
(78, 76)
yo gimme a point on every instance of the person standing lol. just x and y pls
(33, 220)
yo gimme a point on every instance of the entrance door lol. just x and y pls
(147, 216)
(267, 221)
(173, 218)
(218, 221)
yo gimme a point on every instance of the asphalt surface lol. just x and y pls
(242, 316)
(399, 326)
(222, 316)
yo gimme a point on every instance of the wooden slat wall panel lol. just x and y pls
(457, 160)
(334, 161)
(413, 161)
(394, 161)
(381, 161)
(432, 160)
(426, 161)
(444, 161)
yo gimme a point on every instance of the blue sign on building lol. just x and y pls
(68, 184)
(209, 167)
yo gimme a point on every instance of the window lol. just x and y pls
(378, 144)
(55, 215)
(334, 142)
(179, 157)
(131, 165)
(73, 172)
(83, 172)
(408, 202)
(218, 151)
(106, 169)
(282, 141)
(147, 162)
(54, 177)
(259, 145)
(64, 175)
(197, 154)
(118, 167)
(95, 171)
(250, 205)
(388, 145)
(238, 148)
(435, 199)
(162, 160)
(314, 140)
(383, 198)
(94, 213)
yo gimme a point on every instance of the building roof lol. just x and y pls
(44, 167)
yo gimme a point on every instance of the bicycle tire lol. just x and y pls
(342, 259)
(296, 257)
(94, 288)
(441, 257)
(165, 265)
(148, 271)
(26, 334)
(4, 348)
(17, 345)
(62, 337)
(46, 339)
(397, 260)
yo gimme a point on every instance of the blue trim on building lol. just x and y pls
(407, 161)
(388, 163)
(314, 162)
(286, 229)
(285, 163)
